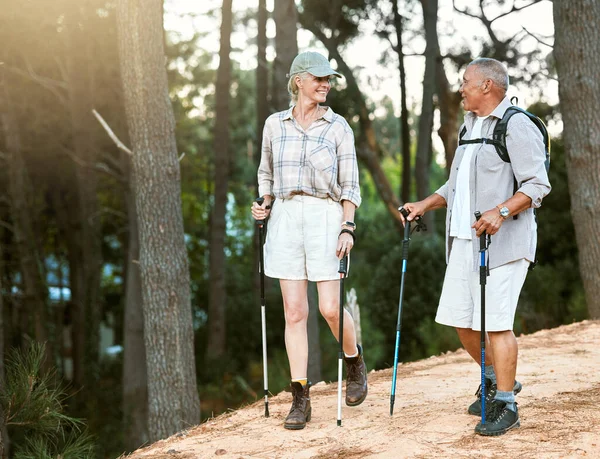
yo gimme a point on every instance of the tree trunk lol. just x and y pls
(286, 48)
(449, 105)
(4, 440)
(262, 73)
(404, 129)
(19, 192)
(172, 392)
(64, 198)
(217, 303)
(135, 377)
(314, 342)
(424, 143)
(576, 48)
(86, 298)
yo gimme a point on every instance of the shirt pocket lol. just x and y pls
(489, 161)
(322, 158)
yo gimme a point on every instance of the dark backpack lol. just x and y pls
(498, 140)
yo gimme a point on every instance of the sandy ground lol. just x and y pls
(559, 409)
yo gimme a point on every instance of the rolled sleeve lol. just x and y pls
(348, 168)
(443, 191)
(526, 149)
(265, 168)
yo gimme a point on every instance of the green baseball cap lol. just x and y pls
(314, 63)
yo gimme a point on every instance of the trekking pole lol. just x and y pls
(343, 272)
(405, 243)
(261, 266)
(484, 240)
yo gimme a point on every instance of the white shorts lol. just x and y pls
(460, 302)
(302, 237)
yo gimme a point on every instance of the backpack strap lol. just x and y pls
(494, 142)
(462, 141)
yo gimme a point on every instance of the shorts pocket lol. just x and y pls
(322, 158)
(275, 211)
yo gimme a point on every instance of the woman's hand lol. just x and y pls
(345, 244)
(261, 212)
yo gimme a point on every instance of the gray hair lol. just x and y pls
(293, 87)
(493, 70)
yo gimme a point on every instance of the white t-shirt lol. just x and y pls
(462, 217)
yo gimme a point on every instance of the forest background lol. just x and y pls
(129, 143)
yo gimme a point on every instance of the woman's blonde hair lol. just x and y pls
(293, 87)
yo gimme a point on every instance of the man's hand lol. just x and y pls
(415, 209)
(490, 222)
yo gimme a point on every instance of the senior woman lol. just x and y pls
(308, 176)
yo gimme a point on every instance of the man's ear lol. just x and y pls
(487, 85)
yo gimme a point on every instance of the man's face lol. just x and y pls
(471, 89)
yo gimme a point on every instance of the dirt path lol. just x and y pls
(559, 408)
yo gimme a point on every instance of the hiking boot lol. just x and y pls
(300, 411)
(499, 420)
(356, 379)
(490, 389)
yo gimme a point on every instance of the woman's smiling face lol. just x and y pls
(315, 88)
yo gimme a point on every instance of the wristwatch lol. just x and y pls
(349, 224)
(504, 211)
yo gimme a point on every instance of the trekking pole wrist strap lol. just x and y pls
(350, 232)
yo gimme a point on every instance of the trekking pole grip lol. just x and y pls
(344, 265)
(406, 240)
(482, 248)
(482, 244)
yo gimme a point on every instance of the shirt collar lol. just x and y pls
(327, 116)
(498, 112)
(287, 114)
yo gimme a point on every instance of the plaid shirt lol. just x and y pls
(320, 161)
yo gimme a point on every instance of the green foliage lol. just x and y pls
(104, 411)
(423, 281)
(74, 446)
(342, 19)
(29, 398)
(33, 406)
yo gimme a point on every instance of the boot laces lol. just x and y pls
(354, 372)
(496, 410)
(298, 400)
(490, 390)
